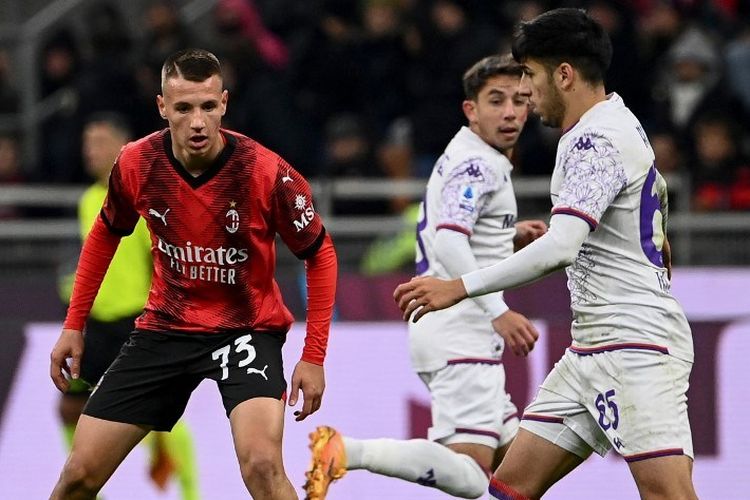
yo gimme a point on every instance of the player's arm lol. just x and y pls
(555, 250)
(98, 250)
(321, 271)
(594, 175)
(309, 241)
(116, 219)
(527, 231)
(453, 251)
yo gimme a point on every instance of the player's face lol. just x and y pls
(500, 111)
(546, 99)
(194, 111)
(101, 145)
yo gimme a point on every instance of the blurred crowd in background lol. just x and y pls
(372, 88)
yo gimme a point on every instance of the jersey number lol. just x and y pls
(652, 234)
(241, 344)
(604, 401)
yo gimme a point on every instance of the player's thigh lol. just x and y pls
(533, 464)
(99, 446)
(103, 342)
(470, 405)
(664, 478)
(257, 430)
(639, 401)
(246, 366)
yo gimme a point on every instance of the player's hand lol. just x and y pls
(517, 331)
(311, 379)
(68, 346)
(428, 294)
(527, 231)
(666, 253)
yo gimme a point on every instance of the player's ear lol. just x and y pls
(470, 110)
(224, 100)
(161, 106)
(564, 76)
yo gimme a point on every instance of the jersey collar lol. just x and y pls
(196, 182)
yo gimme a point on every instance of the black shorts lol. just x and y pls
(102, 342)
(151, 380)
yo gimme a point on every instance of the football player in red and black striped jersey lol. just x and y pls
(214, 201)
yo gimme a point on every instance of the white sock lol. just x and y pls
(419, 461)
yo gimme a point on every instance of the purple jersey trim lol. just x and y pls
(510, 417)
(653, 454)
(576, 213)
(543, 418)
(586, 351)
(454, 227)
(474, 361)
(565, 131)
(478, 432)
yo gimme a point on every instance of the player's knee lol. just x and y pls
(78, 481)
(260, 467)
(657, 489)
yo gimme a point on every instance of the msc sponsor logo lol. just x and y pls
(307, 215)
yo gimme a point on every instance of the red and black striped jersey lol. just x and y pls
(213, 236)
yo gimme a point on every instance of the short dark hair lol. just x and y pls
(195, 65)
(565, 35)
(115, 120)
(476, 77)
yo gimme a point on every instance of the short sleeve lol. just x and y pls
(119, 213)
(295, 217)
(593, 176)
(465, 194)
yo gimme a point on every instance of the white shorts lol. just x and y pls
(634, 401)
(470, 405)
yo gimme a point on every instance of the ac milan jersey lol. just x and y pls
(213, 236)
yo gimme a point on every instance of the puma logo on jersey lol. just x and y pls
(262, 372)
(286, 178)
(156, 214)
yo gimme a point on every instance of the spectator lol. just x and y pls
(349, 152)
(720, 172)
(8, 95)
(61, 62)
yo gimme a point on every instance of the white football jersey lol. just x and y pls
(619, 290)
(469, 191)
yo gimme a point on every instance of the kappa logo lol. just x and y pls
(156, 214)
(427, 479)
(584, 144)
(262, 372)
